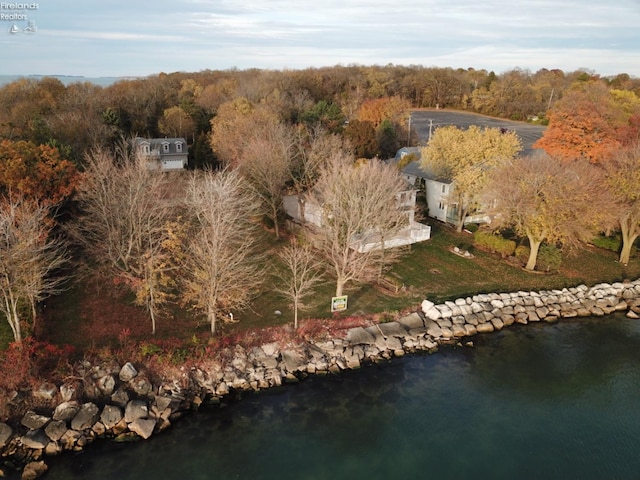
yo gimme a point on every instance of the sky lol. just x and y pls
(97, 38)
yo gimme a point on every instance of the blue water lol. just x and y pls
(536, 402)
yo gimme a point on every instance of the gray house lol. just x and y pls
(163, 153)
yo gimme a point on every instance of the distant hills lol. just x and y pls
(65, 79)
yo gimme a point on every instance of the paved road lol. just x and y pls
(420, 121)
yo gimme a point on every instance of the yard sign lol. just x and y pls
(339, 304)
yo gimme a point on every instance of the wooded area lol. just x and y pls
(190, 240)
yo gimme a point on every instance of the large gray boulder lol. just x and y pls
(292, 360)
(34, 421)
(128, 372)
(66, 411)
(143, 427)
(55, 430)
(34, 439)
(86, 417)
(359, 336)
(5, 434)
(110, 416)
(134, 410)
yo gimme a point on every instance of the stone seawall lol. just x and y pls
(121, 402)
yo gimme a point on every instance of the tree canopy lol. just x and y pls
(465, 157)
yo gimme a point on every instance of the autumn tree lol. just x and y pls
(175, 122)
(125, 225)
(622, 172)
(301, 273)
(222, 270)
(359, 204)
(36, 171)
(465, 157)
(362, 137)
(584, 124)
(547, 201)
(30, 259)
(232, 126)
(395, 109)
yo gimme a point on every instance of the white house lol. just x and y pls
(163, 153)
(436, 189)
(414, 231)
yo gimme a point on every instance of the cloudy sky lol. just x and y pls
(133, 37)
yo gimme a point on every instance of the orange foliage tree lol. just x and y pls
(587, 123)
(36, 171)
(378, 110)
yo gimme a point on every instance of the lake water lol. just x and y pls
(536, 402)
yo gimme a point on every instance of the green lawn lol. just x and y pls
(432, 271)
(429, 271)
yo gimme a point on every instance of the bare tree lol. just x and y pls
(547, 201)
(301, 274)
(359, 205)
(124, 225)
(222, 268)
(266, 164)
(29, 257)
(314, 149)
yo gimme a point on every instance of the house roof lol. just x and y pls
(156, 144)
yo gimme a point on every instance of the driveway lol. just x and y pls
(422, 119)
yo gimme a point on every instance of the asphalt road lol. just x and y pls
(423, 120)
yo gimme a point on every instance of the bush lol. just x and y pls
(494, 243)
(613, 243)
(522, 254)
(549, 258)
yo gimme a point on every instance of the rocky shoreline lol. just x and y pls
(121, 402)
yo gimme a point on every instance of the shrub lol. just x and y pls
(549, 258)
(494, 243)
(522, 254)
(613, 243)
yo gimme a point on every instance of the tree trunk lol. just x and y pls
(340, 286)
(211, 315)
(301, 209)
(152, 312)
(629, 235)
(462, 215)
(295, 315)
(534, 246)
(275, 222)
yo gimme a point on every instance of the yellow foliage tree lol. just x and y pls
(465, 157)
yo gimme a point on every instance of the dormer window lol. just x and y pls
(179, 147)
(165, 147)
(145, 148)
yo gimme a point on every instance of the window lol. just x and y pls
(443, 188)
(165, 147)
(145, 148)
(179, 147)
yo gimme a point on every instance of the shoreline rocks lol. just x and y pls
(121, 403)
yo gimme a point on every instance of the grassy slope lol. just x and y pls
(83, 317)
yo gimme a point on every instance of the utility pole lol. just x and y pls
(430, 129)
(409, 133)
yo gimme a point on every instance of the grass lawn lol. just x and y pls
(91, 316)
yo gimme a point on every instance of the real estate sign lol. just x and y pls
(339, 304)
